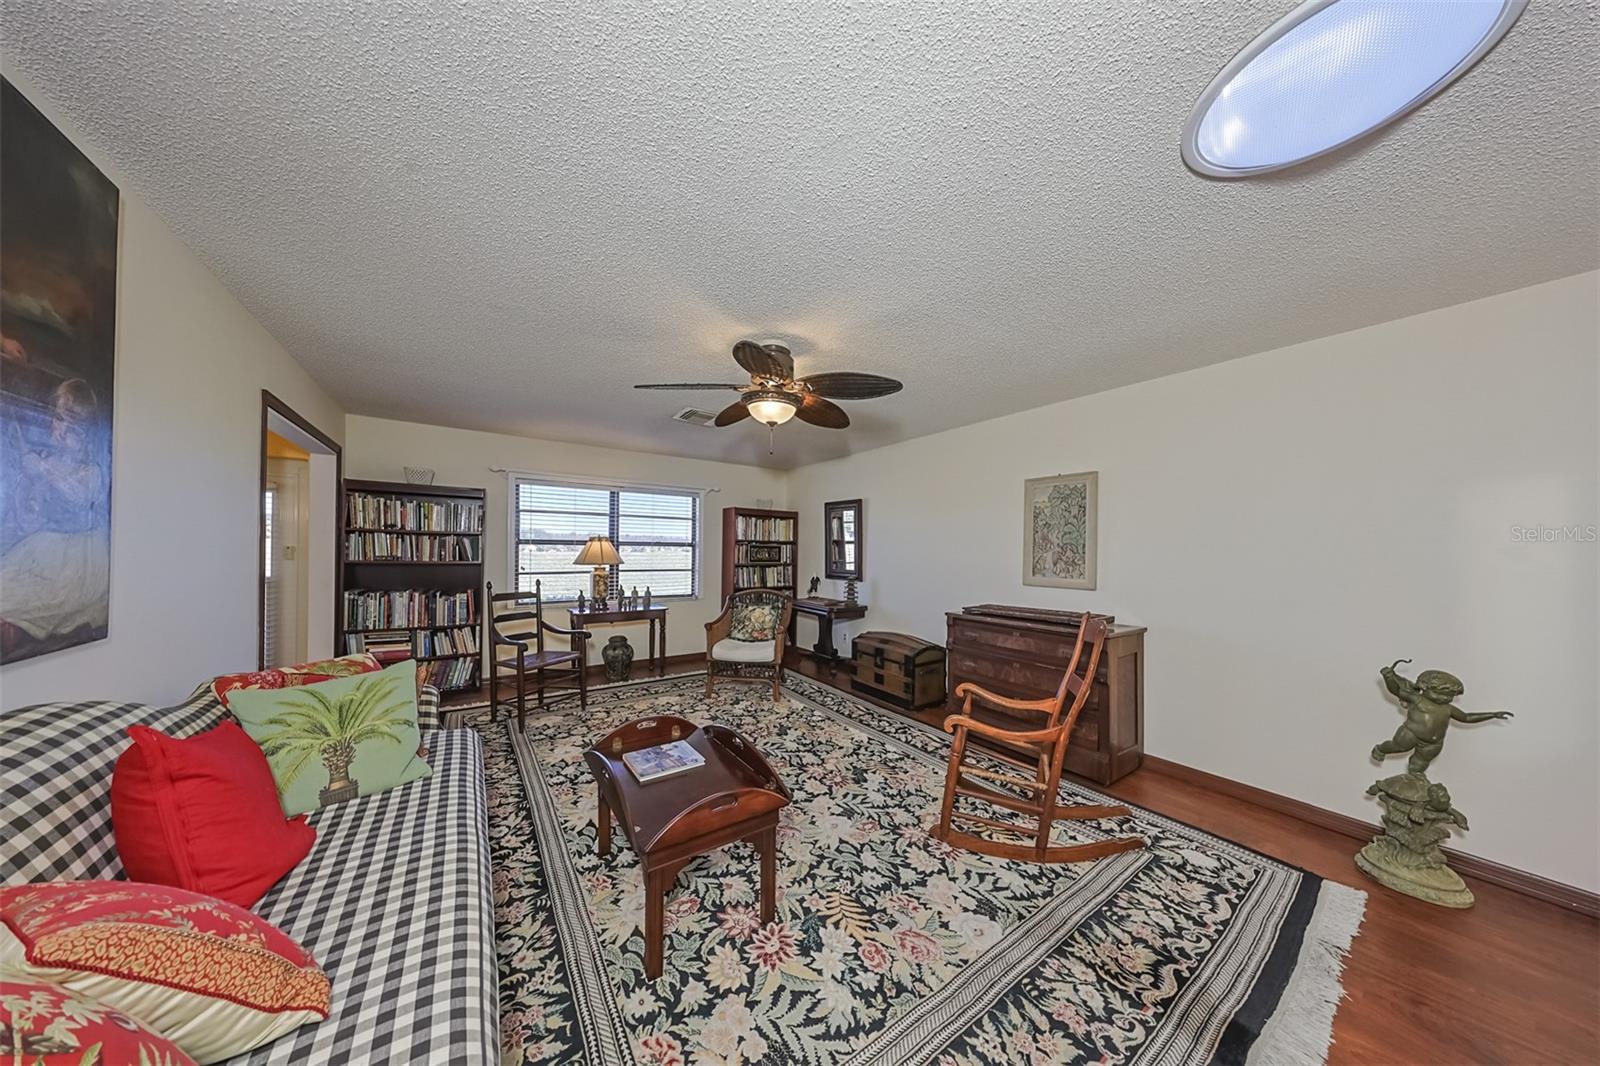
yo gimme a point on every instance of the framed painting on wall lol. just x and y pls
(1059, 539)
(58, 320)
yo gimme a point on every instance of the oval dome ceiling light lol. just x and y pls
(1331, 71)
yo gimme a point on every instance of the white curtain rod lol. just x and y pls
(580, 481)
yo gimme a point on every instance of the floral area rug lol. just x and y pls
(888, 947)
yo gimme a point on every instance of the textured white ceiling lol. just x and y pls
(500, 216)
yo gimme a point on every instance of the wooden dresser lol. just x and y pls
(1022, 651)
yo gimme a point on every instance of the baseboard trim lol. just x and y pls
(1528, 884)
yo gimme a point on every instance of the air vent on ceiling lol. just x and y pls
(695, 417)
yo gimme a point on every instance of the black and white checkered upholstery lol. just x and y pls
(395, 900)
(55, 781)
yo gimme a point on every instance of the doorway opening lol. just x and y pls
(301, 471)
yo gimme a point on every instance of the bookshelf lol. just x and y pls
(412, 567)
(759, 549)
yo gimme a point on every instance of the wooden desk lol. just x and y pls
(652, 616)
(827, 612)
(734, 796)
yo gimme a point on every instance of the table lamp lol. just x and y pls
(599, 553)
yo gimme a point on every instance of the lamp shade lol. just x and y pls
(598, 551)
(771, 407)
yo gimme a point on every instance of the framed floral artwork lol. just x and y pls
(1059, 539)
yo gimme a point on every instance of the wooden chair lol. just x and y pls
(746, 660)
(1036, 797)
(516, 641)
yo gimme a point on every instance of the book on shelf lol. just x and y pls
(663, 760)
(408, 609)
(388, 644)
(368, 510)
(412, 547)
(758, 527)
(763, 577)
(447, 674)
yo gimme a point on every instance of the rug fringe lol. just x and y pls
(1301, 1029)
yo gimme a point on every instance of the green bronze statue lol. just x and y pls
(1428, 714)
(1417, 813)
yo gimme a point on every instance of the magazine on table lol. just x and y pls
(663, 760)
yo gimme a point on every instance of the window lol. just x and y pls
(657, 534)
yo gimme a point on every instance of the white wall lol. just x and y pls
(1286, 524)
(378, 448)
(191, 364)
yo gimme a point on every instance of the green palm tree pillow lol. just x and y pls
(334, 741)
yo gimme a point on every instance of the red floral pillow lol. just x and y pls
(292, 676)
(211, 977)
(46, 1025)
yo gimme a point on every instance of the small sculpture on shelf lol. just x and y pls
(647, 597)
(811, 589)
(1417, 813)
(581, 605)
(850, 592)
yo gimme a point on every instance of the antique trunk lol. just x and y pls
(904, 670)
(1022, 652)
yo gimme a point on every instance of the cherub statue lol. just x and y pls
(1428, 714)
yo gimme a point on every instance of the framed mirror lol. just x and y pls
(842, 537)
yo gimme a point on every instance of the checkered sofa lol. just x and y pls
(395, 899)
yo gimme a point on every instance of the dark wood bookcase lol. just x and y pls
(746, 546)
(363, 574)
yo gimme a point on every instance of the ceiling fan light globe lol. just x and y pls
(771, 408)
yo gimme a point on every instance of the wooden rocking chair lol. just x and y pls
(1037, 796)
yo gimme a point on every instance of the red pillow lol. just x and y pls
(291, 676)
(213, 978)
(49, 1026)
(203, 814)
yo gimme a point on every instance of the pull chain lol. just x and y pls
(771, 432)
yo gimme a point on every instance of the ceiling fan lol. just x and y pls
(774, 395)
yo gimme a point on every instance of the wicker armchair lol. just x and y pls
(748, 660)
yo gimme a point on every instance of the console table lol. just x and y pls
(827, 612)
(654, 616)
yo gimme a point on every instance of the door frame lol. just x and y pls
(270, 404)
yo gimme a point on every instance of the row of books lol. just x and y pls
(763, 577)
(447, 674)
(391, 645)
(755, 527)
(410, 608)
(368, 511)
(408, 547)
(764, 553)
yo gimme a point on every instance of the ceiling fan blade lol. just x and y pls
(731, 414)
(820, 412)
(847, 385)
(764, 360)
(691, 385)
